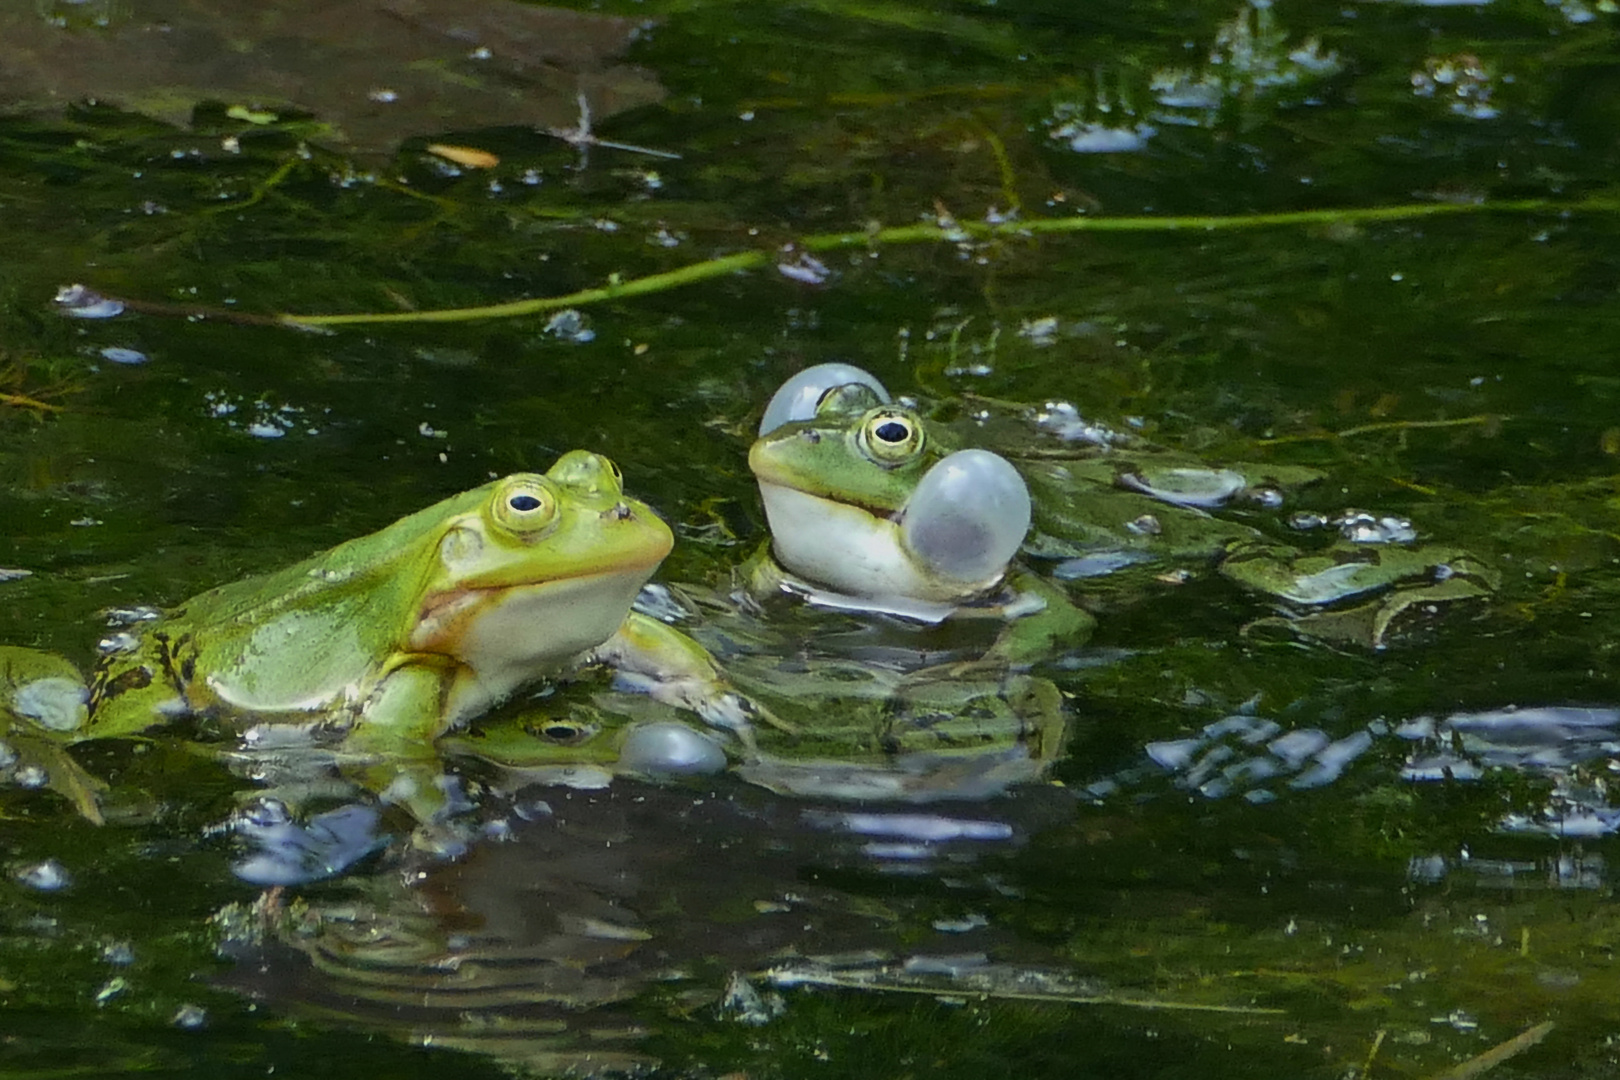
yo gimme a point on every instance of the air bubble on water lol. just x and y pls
(119, 355)
(189, 1017)
(81, 302)
(805, 269)
(1361, 527)
(31, 777)
(129, 616)
(569, 325)
(121, 642)
(46, 876)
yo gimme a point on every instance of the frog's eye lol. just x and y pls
(525, 505)
(890, 437)
(562, 732)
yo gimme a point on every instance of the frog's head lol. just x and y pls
(529, 571)
(862, 498)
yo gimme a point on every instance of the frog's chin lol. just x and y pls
(506, 638)
(852, 550)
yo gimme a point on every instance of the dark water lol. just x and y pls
(1378, 895)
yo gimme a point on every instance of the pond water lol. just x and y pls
(1257, 850)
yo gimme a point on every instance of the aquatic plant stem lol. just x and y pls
(954, 232)
(23, 401)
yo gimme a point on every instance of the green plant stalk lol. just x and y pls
(953, 233)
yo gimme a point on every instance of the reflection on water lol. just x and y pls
(534, 947)
(1251, 757)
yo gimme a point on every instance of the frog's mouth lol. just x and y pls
(555, 618)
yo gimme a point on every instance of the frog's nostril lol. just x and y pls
(621, 511)
(811, 434)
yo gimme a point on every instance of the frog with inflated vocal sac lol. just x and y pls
(873, 504)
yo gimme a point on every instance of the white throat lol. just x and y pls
(852, 551)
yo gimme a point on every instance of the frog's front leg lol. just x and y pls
(393, 739)
(1052, 625)
(659, 660)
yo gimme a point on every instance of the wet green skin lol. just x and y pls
(1081, 507)
(395, 638)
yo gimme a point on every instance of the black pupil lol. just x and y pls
(523, 503)
(892, 431)
(560, 731)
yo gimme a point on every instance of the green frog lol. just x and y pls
(906, 676)
(382, 645)
(873, 504)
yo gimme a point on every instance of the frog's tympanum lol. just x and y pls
(873, 504)
(383, 644)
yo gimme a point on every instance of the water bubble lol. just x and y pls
(129, 616)
(569, 325)
(82, 302)
(31, 777)
(1304, 521)
(47, 876)
(805, 269)
(189, 1017)
(1361, 527)
(1063, 420)
(119, 355)
(121, 642)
